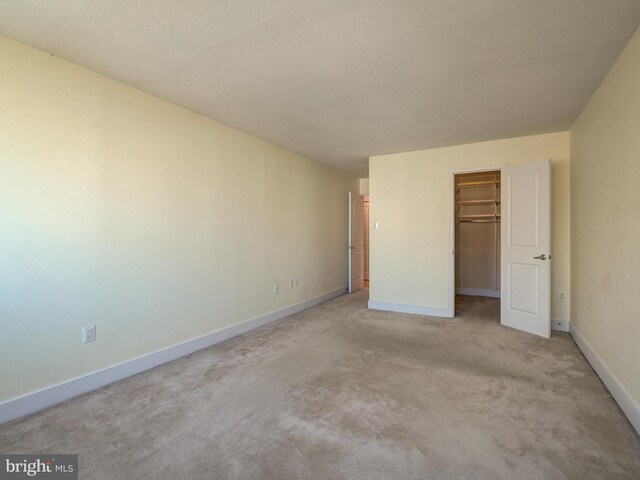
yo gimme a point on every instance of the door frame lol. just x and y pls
(352, 197)
(451, 313)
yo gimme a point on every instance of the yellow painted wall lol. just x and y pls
(156, 224)
(410, 197)
(605, 199)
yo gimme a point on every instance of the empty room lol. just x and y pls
(320, 240)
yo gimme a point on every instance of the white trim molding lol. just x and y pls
(626, 402)
(35, 401)
(560, 325)
(416, 309)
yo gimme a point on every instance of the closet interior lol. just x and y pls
(477, 253)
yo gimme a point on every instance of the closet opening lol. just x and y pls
(477, 237)
(366, 240)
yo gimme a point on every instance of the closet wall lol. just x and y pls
(478, 234)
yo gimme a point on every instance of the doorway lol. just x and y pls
(477, 203)
(518, 275)
(358, 242)
(366, 239)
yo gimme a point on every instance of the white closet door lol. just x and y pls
(526, 243)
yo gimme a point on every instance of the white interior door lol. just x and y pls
(525, 252)
(356, 243)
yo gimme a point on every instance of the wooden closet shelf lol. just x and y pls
(483, 215)
(479, 182)
(489, 201)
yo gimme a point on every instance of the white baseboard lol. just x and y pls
(626, 402)
(479, 292)
(52, 395)
(417, 309)
(560, 325)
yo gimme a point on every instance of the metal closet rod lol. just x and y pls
(478, 221)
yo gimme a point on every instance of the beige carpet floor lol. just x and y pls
(342, 392)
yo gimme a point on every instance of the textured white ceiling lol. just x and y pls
(340, 80)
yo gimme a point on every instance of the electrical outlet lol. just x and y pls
(292, 283)
(562, 296)
(560, 325)
(276, 288)
(89, 334)
(295, 282)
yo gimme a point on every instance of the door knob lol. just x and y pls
(541, 257)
